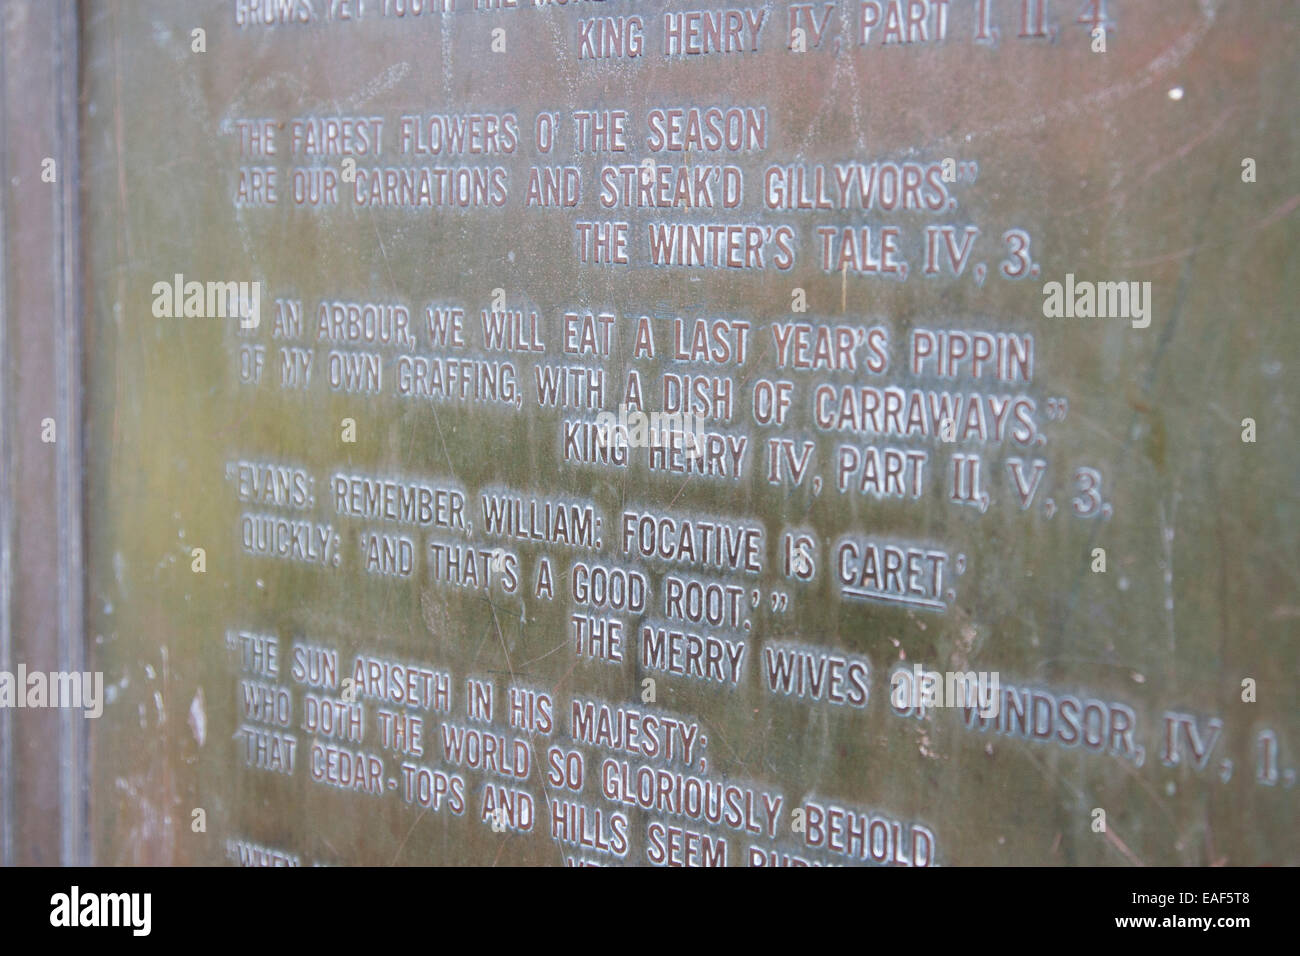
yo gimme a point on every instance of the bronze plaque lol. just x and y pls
(829, 433)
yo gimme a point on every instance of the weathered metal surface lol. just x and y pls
(42, 751)
(842, 526)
